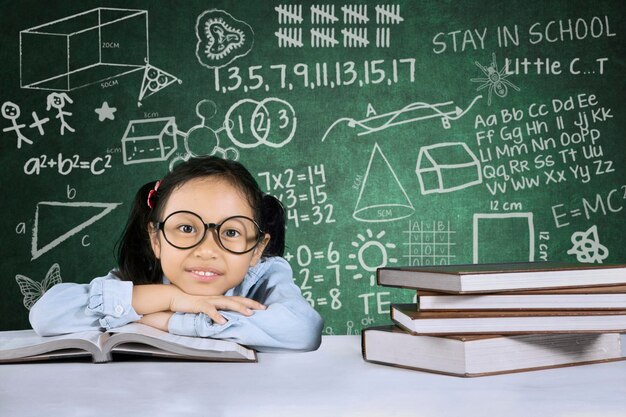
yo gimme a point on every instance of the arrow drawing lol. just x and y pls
(405, 115)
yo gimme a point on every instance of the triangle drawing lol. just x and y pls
(154, 80)
(62, 221)
(381, 198)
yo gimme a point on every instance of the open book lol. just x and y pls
(134, 338)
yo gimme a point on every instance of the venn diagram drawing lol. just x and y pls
(250, 123)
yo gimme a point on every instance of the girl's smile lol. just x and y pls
(204, 275)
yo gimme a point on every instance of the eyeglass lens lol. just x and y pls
(186, 229)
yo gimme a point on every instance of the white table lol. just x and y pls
(333, 381)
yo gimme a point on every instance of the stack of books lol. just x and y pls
(473, 320)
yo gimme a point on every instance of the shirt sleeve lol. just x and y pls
(288, 323)
(104, 303)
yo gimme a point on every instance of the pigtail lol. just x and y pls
(273, 222)
(135, 259)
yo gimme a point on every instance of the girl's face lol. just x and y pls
(205, 269)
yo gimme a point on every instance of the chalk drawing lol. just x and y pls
(149, 140)
(383, 37)
(350, 327)
(371, 254)
(496, 80)
(33, 290)
(90, 53)
(38, 123)
(221, 38)
(354, 14)
(289, 37)
(429, 243)
(289, 13)
(271, 122)
(447, 167)
(323, 37)
(155, 80)
(374, 206)
(69, 211)
(587, 246)
(58, 101)
(323, 14)
(105, 112)
(355, 37)
(388, 14)
(381, 122)
(203, 140)
(11, 112)
(327, 23)
(524, 232)
(156, 139)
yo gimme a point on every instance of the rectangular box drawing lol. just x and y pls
(84, 49)
(492, 232)
(149, 140)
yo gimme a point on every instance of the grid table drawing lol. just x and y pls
(429, 243)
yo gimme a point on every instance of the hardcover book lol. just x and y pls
(132, 339)
(501, 277)
(582, 298)
(507, 322)
(480, 355)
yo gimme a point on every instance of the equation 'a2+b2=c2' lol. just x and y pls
(65, 165)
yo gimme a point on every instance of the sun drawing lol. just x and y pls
(371, 254)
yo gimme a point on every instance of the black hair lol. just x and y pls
(136, 260)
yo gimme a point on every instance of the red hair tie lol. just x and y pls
(152, 193)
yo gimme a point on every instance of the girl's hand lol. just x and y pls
(210, 304)
(158, 320)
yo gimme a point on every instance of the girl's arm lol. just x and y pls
(288, 322)
(105, 302)
(157, 320)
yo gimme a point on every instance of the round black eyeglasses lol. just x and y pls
(186, 229)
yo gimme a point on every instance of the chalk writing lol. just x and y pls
(523, 149)
(314, 75)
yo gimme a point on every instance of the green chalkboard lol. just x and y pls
(395, 133)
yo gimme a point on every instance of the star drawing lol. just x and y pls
(106, 112)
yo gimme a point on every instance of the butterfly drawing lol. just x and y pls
(33, 290)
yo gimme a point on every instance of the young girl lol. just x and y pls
(200, 256)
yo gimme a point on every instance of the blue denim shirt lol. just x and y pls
(288, 323)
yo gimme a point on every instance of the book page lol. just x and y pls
(27, 345)
(136, 332)
(18, 339)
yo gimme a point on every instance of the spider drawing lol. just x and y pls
(496, 80)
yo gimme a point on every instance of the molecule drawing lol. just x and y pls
(587, 246)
